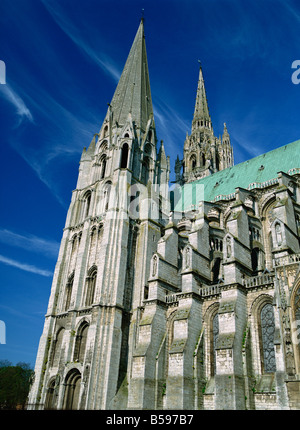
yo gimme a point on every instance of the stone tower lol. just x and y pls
(85, 346)
(204, 153)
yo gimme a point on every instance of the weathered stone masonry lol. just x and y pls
(188, 300)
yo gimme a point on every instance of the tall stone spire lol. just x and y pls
(204, 154)
(133, 94)
(201, 114)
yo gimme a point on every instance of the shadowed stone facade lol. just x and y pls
(187, 299)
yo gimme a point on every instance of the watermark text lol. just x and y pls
(296, 74)
(2, 333)
(2, 72)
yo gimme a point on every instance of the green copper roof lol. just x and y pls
(255, 173)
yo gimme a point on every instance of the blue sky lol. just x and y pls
(63, 60)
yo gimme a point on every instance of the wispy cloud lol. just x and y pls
(60, 140)
(23, 112)
(103, 60)
(30, 243)
(16, 313)
(170, 125)
(24, 266)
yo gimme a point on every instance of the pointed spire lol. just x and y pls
(225, 136)
(133, 93)
(201, 113)
(225, 131)
(162, 154)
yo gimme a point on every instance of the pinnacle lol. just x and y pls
(133, 94)
(201, 113)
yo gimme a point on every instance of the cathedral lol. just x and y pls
(184, 297)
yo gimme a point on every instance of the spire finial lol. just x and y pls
(199, 61)
(142, 17)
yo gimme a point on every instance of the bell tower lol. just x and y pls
(85, 348)
(203, 154)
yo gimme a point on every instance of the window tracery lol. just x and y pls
(267, 338)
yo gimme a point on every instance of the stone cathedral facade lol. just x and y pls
(182, 299)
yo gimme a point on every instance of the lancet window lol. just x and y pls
(267, 326)
(103, 162)
(80, 342)
(68, 292)
(124, 156)
(214, 338)
(56, 347)
(71, 399)
(90, 286)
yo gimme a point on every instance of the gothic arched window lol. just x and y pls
(50, 397)
(145, 170)
(105, 131)
(57, 344)
(267, 328)
(90, 286)
(80, 342)
(103, 146)
(87, 199)
(107, 189)
(213, 343)
(216, 270)
(68, 292)
(124, 156)
(71, 399)
(254, 259)
(193, 161)
(103, 162)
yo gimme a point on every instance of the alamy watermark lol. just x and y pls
(295, 325)
(2, 333)
(146, 202)
(2, 72)
(296, 74)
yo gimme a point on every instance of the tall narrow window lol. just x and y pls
(57, 348)
(90, 287)
(296, 323)
(50, 397)
(73, 380)
(124, 156)
(68, 292)
(87, 203)
(80, 342)
(145, 171)
(106, 195)
(216, 270)
(213, 343)
(254, 259)
(267, 338)
(103, 166)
